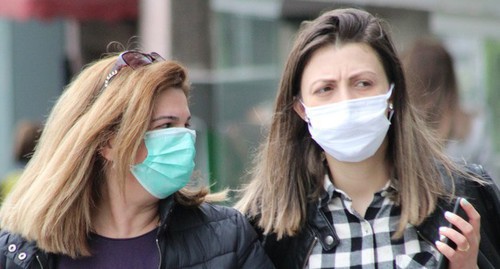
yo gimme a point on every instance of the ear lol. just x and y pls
(107, 150)
(299, 108)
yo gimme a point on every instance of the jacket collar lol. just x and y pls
(323, 230)
(165, 209)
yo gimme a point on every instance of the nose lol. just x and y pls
(343, 93)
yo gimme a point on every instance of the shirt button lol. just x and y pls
(329, 240)
(12, 248)
(366, 228)
(22, 256)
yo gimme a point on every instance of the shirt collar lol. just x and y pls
(331, 191)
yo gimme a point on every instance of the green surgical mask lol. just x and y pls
(169, 163)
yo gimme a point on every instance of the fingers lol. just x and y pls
(462, 225)
(446, 250)
(474, 217)
(465, 234)
(459, 239)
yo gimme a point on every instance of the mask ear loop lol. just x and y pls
(391, 106)
(391, 111)
(306, 119)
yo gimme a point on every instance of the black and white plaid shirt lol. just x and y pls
(366, 242)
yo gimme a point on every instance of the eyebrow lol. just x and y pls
(363, 72)
(174, 118)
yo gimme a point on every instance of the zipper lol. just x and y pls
(426, 240)
(315, 240)
(39, 261)
(160, 227)
(159, 252)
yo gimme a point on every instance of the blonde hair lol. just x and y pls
(53, 202)
(289, 170)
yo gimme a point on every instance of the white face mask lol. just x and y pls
(352, 130)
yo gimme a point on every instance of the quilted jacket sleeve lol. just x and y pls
(250, 252)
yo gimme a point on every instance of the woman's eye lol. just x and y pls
(363, 83)
(187, 125)
(165, 125)
(324, 89)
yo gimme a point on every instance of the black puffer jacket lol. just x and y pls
(223, 236)
(293, 252)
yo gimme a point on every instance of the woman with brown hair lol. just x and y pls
(26, 136)
(107, 184)
(349, 176)
(434, 90)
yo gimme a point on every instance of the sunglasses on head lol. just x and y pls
(133, 59)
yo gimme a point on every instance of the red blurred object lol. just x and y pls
(107, 10)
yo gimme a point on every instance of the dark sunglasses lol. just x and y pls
(133, 59)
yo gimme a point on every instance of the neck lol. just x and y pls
(361, 180)
(118, 216)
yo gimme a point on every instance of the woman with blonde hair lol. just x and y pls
(349, 176)
(106, 187)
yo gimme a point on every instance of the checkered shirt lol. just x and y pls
(365, 242)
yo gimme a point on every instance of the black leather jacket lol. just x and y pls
(223, 235)
(293, 252)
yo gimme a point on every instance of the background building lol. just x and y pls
(234, 49)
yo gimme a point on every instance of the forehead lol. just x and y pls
(349, 55)
(171, 100)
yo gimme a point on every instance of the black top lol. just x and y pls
(107, 253)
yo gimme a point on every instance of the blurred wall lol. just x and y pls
(6, 107)
(32, 76)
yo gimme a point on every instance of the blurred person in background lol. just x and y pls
(433, 88)
(243, 138)
(26, 136)
(107, 186)
(350, 177)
